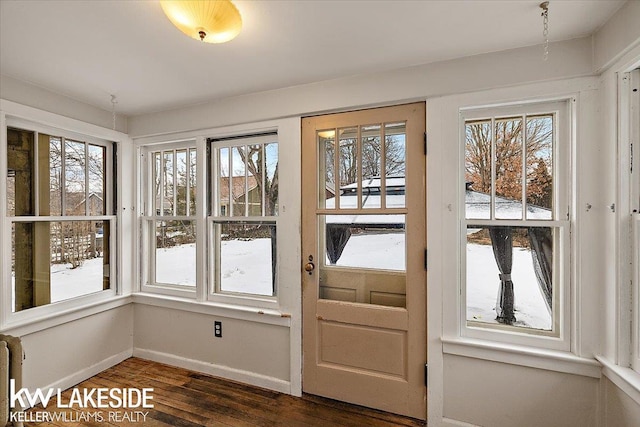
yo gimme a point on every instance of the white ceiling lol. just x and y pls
(88, 50)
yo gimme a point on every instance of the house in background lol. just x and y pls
(329, 83)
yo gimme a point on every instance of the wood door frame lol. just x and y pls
(417, 303)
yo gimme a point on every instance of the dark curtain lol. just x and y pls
(337, 237)
(541, 240)
(502, 242)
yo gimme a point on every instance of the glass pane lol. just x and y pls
(239, 183)
(477, 164)
(97, 199)
(371, 166)
(508, 157)
(364, 259)
(326, 167)
(175, 252)
(20, 176)
(525, 297)
(75, 183)
(224, 183)
(55, 176)
(57, 261)
(271, 179)
(181, 182)
(192, 182)
(246, 261)
(168, 205)
(395, 163)
(348, 168)
(255, 179)
(157, 183)
(540, 167)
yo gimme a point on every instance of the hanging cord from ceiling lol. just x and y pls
(113, 110)
(545, 28)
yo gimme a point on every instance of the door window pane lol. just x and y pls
(326, 164)
(364, 258)
(395, 164)
(371, 166)
(348, 162)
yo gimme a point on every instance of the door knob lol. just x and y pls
(309, 267)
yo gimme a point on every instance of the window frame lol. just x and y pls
(562, 220)
(633, 173)
(214, 293)
(148, 218)
(10, 319)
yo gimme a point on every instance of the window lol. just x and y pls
(244, 182)
(516, 224)
(61, 215)
(169, 223)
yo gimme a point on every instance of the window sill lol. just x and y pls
(36, 324)
(551, 360)
(231, 311)
(626, 379)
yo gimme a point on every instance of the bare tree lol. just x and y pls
(509, 156)
(254, 158)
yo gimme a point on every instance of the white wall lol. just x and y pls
(68, 353)
(619, 409)
(616, 46)
(249, 351)
(23, 93)
(183, 337)
(487, 393)
(566, 59)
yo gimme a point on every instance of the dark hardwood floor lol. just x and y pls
(183, 398)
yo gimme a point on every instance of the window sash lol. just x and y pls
(561, 172)
(63, 136)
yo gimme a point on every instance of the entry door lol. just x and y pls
(364, 278)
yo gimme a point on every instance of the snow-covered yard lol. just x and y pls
(483, 283)
(246, 267)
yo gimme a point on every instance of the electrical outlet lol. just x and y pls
(217, 329)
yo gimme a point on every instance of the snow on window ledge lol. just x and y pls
(551, 360)
(232, 311)
(626, 379)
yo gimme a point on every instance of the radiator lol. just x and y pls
(10, 368)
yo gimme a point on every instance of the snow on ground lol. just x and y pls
(384, 251)
(483, 284)
(246, 267)
(176, 265)
(67, 283)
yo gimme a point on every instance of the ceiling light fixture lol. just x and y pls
(545, 28)
(211, 21)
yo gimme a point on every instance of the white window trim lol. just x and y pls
(17, 115)
(634, 211)
(214, 292)
(147, 217)
(561, 339)
(288, 291)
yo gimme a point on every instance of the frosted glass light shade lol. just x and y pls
(212, 21)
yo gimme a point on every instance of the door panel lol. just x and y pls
(364, 234)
